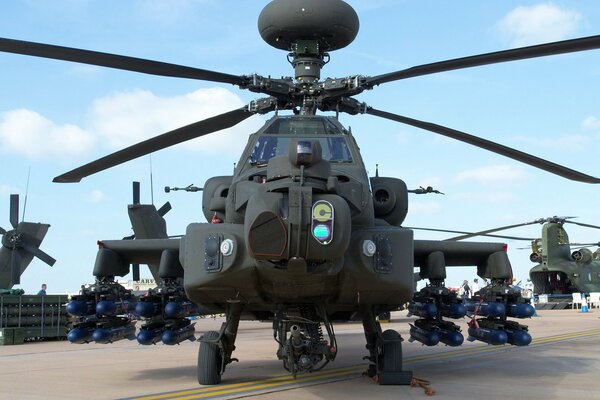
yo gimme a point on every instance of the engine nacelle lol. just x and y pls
(583, 256)
(214, 194)
(390, 199)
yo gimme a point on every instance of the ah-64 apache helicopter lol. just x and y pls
(300, 235)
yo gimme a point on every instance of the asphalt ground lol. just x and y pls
(563, 362)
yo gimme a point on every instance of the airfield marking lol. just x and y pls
(346, 373)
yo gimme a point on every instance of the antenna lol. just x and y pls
(26, 192)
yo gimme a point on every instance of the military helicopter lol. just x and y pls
(300, 235)
(559, 270)
(19, 246)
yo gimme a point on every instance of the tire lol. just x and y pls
(209, 361)
(392, 352)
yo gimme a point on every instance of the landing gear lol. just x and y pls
(385, 352)
(216, 347)
(210, 360)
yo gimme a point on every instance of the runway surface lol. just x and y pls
(562, 362)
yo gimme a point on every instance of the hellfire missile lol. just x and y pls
(425, 310)
(80, 307)
(82, 332)
(453, 310)
(115, 333)
(488, 331)
(151, 333)
(427, 337)
(485, 309)
(520, 310)
(179, 309)
(177, 335)
(517, 334)
(112, 307)
(148, 309)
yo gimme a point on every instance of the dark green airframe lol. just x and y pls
(300, 235)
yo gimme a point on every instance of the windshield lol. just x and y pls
(334, 149)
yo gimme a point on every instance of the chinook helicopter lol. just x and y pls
(19, 245)
(300, 235)
(558, 269)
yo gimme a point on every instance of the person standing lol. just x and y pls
(42, 291)
(465, 290)
(474, 286)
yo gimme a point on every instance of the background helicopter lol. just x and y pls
(562, 267)
(20, 244)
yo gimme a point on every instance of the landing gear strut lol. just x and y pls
(385, 352)
(216, 348)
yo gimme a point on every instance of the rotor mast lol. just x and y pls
(308, 30)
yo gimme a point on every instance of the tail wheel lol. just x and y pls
(210, 360)
(391, 358)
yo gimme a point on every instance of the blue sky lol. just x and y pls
(55, 116)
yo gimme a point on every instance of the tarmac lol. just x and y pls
(562, 362)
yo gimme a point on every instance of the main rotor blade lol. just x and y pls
(14, 210)
(45, 257)
(471, 233)
(165, 140)
(487, 231)
(15, 266)
(541, 50)
(581, 224)
(114, 61)
(489, 145)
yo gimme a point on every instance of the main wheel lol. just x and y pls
(392, 352)
(209, 361)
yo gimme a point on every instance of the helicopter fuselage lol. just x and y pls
(297, 224)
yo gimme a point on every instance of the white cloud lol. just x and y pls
(27, 132)
(591, 123)
(129, 117)
(487, 197)
(540, 23)
(96, 196)
(5, 190)
(123, 119)
(493, 175)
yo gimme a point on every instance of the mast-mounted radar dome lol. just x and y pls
(308, 29)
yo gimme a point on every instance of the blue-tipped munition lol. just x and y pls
(518, 337)
(179, 309)
(148, 309)
(493, 309)
(175, 336)
(451, 337)
(113, 334)
(112, 308)
(81, 308)
(150, 334)
(491, 336)
(520, 310)
(80, 335)
(425, 310)
(453, 310)
(428, 337)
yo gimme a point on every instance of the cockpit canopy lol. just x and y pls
(275, 139)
